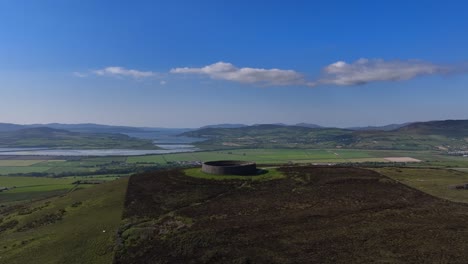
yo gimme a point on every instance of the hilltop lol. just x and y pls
(452, 128)
(223, 126)
(313, 215)
(58, 138)
(381, 128)
(85, 128)
(450, 134)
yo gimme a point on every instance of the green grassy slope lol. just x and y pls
(437, 182)
(79, 227)
(57, 138)
(32, 188)
(450, 135)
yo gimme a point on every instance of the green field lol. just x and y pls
(79, 227)
(461, 169)
(109, 177)
(5, 170)
(260, 155)
(430, 158)
(50, 163)
(18, 163)
(53, 167)
(123, 165)
(20, 182)
(437, 182)
(31, 188)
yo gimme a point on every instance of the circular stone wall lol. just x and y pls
(230, 167)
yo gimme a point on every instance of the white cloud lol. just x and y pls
(227, 71)
(122, 72)
(340, 73)
(79, 74)
(365, 71)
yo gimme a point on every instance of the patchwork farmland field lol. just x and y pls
(18, 163)
(306, 156)
(53, 167)
(81, 166)
(32, 188)
(259, 155)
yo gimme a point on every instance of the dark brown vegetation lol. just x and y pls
(314, 215)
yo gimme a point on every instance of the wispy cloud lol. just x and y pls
(360, 72)
(229, 72)
(364, 71)
(79, 74)
(340, 73)
(123, 72)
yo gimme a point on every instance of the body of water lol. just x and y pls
(91, 152)
(166, 139)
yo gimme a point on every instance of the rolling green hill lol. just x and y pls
(450, 128)
(58, 138)
(449, 135)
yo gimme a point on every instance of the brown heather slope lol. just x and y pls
(314, 215)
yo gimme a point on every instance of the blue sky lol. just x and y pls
(192, 63)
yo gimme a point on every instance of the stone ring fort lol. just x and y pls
(230, 167)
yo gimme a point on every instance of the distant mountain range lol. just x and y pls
(451, 128)
(433, 135)
(309, 125)
(46, 137)
(243, 125)
(98, 128)
(447, 134)
(85, 128)
(382, 128)
(89, 128)
(223, 126)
